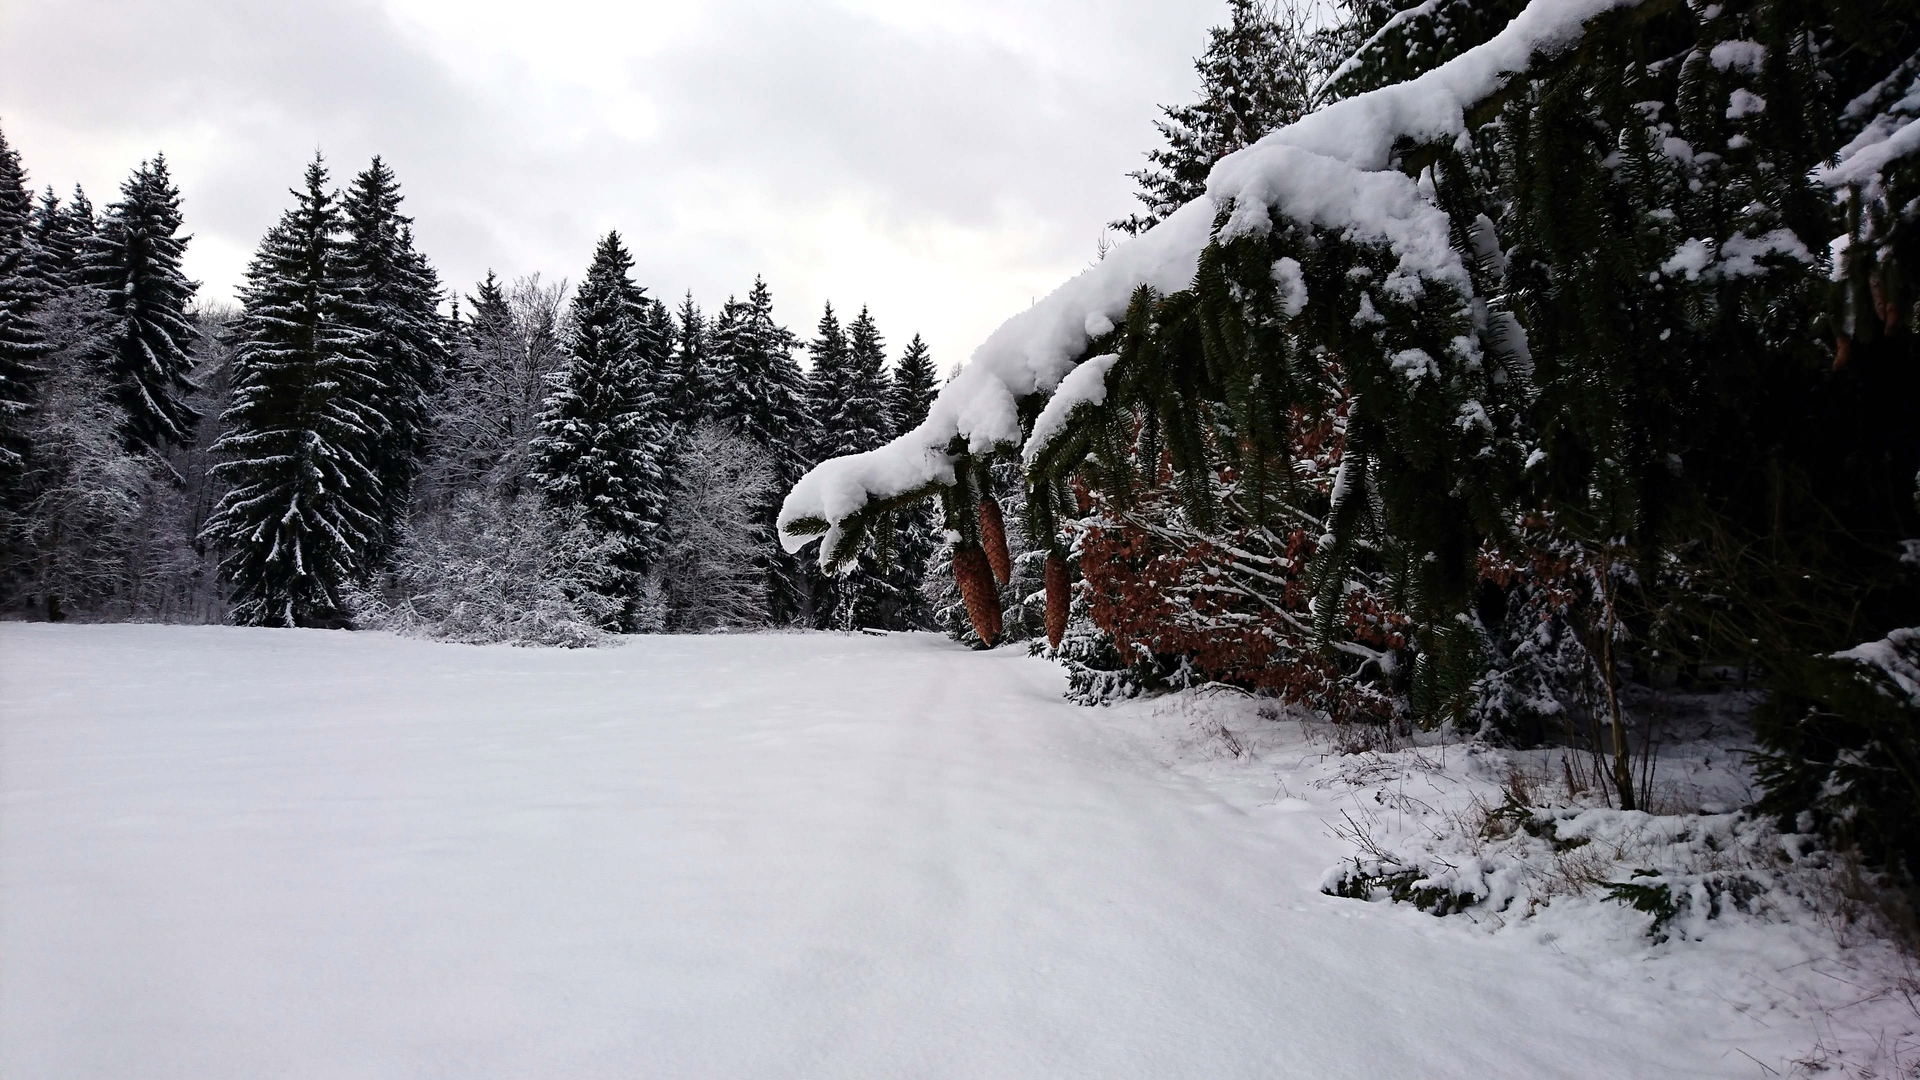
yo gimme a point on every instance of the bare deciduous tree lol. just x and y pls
(713, 571)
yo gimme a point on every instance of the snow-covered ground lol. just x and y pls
(239, 853)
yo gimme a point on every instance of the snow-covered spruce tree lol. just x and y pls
(847, 399)
(604, 444)
(860, 421)
(659, 342)
(1259, 72)
(758, 391)
(1579, 270)
(684, 376)
(757, 386)
(303, 502)
(910, 391)
(827, 377)
(393, 298)
(16, 201)
(826, 380)
(133, 264)
(24, 361)
(23, 343)
(904, 566)
(56, 239)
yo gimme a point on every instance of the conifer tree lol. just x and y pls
(860, 422)
(855, 420)
(910, 393)
(828, 378)
(56, 244)
(22, 344)
(303, 504)
(472, 427)
(1259, 72)
(81, 222)
(757, 387)
(758, 391)
(604, 443)
(16, 202)
(492, 315)
(685, 379)
(393, 298)
(659, 338)
(132, 264)
(905, 605)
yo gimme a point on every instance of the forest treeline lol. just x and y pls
(354, 445)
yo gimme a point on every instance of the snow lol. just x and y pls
(1690, 259)
(1863, 158)
(1084, 385)
(1739, 256)
(1897, 656)
(1293, 285)
(243, 853)
(1746, 57)
(1399, 19)
(1028, 354)
(1383, 207)
(1752, 917)
(1744, 103)
(1361, 130)
(1414, 364)
(1330, 168)
(1885, 138)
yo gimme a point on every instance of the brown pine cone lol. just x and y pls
(1057, 599)
(993, 537)
(975, 579)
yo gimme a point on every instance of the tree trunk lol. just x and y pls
(1622, 752)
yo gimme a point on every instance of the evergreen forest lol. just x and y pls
(356, 445)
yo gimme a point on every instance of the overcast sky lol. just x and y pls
(943, 162)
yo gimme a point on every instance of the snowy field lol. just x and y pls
(238, 853)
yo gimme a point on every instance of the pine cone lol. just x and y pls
(975, 579)
(1057, 599)
(993, 537)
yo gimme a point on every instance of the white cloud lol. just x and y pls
(942, 163)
